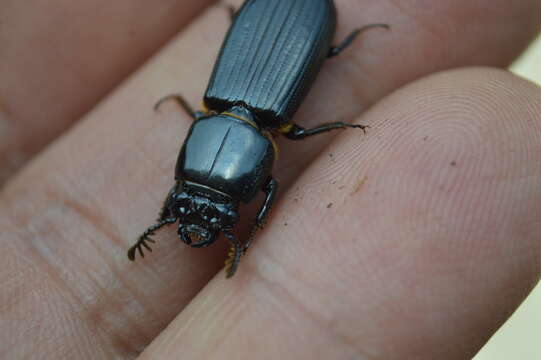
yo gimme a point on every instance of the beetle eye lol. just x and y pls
(182, 210)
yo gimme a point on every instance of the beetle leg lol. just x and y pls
(234, 255)
(295, 132)
(142, 241)
(271, 189)
(182, 103)
(336, 50)
(165, 212)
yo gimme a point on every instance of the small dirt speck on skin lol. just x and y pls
(329, 205)
(285, 224)
(359, 185)
(453, 163)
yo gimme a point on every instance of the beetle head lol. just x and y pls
(203, 218)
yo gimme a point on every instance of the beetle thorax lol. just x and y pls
(202, 216)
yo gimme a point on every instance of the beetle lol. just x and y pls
(267, 63)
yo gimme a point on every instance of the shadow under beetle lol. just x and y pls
(268, 62)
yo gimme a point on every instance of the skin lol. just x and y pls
(415, 241)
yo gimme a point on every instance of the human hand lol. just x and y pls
(415, 241)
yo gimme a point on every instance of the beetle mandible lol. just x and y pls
(269, 60)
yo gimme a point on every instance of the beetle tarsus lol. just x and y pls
(234, 255)
(179, 99)
(336, 50)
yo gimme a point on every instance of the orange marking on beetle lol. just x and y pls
(284, 129)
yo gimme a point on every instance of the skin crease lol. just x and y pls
(430, 244)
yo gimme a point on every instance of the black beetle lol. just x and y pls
(268, 62)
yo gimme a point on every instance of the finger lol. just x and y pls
(100, 186)
(68, 236)
(414, 244)
(59, 60)
(425, 37)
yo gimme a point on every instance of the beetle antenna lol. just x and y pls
(142, 241)
(233, 256)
